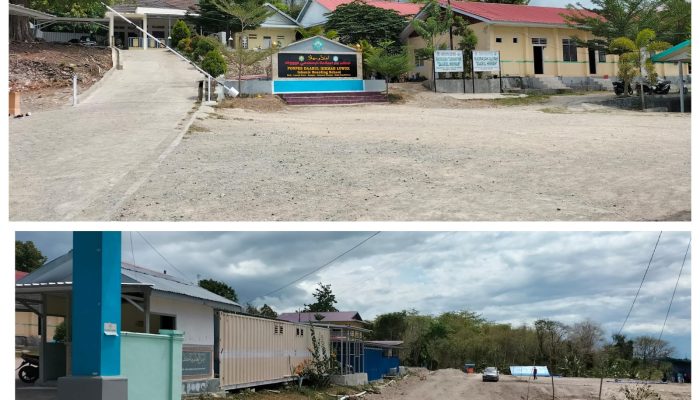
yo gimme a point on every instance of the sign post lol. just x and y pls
(483, 61)
(448, 61)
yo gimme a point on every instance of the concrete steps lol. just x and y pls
(295, 99)
(548, 83)
(601, 83)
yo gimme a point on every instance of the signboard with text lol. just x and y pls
(486, 60)
(196, 363)
(449, 61)
(300, 65)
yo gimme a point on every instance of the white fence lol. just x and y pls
(65, 36)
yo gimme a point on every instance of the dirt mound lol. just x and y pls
(43, 72)
(42, 65)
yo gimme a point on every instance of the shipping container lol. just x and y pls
(255, 351)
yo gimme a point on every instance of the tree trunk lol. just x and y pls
(19, 26)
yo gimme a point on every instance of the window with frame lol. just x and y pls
(252, 35)
(569, 47)
(539, 41)
(499, 40)
(279, 329)
(300, 331)
(602, 55)
(419, 60)
(515, 40)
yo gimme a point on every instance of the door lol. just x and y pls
(591, 61)
(539, 62)
(267, 42)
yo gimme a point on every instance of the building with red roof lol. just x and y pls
(531, 40)
(315, 12)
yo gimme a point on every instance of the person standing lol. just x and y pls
(534, 372)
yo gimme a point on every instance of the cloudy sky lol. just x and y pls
(511, 277)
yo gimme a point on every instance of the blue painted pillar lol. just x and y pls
(96, 305)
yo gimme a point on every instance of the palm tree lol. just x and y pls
(634, 59)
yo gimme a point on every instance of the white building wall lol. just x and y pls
(196, 320)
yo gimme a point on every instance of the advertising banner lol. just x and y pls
(486, 60)
(449, 61)
(297, 65)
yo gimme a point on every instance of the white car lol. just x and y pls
(490, 374)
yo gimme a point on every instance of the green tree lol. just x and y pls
(249, 13)
(203, 45)
(388, 65)
(325, 300)
(674, 21)
(220, 288)
(251, 309)
(436, 24)
(61, 332)
(19, 26)
(242, 58)
(317, 30)
(214, 63)
(208, 18)
(610, 19)
(389, 326)
(27, 256)
(360, 21)
(179, 32)
(634, 56)
(267, 311)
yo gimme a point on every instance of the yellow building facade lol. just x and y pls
(529, 48)
(279, 29)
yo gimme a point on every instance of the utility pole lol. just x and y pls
(449, 8)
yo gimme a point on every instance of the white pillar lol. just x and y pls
(111, 29)
(682, 85)
(145, 28)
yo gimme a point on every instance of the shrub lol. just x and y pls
(638, 392)
(202, 45)
(318, 371)
(214, 63)
(185, 46)
(180, 31)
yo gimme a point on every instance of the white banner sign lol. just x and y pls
(486, 60)
(449, 61)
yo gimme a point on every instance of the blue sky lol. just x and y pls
(509, 277)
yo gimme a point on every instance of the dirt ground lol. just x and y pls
(427, 157)
(452, 384)
(42, 72)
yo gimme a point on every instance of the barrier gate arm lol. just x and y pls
(232, 91)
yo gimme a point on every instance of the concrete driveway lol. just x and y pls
(78, 163)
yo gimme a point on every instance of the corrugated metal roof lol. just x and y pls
(328, 317)
(516, 13)
(61, 270)
(405, 9)
(384, 343)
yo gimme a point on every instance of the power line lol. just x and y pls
(674, 290)
(163, 257)
(319, 268)
(640, 284)
(131, 239)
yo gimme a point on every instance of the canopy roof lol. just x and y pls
(678, 53)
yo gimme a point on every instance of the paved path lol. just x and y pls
(78, 163)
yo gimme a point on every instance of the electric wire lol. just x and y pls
(640, 284)
(319, 268)
(131, 239)
(674, 290)
(163, 257)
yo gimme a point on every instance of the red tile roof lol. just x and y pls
(19, 275)
(405, 9)
(513, 13)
